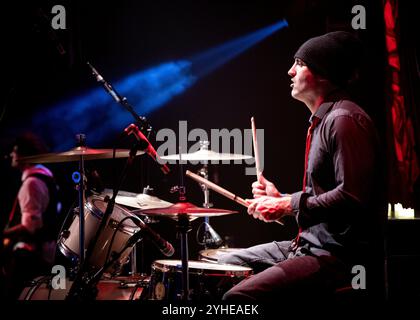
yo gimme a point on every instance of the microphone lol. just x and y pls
(132, 128)
(105, 84)
(164, 246)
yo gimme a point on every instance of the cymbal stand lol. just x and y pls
(133, 260)
(135, 270)
(183, 227)
(81, 186)
(83, 287)
(204, 173)
(208, 238)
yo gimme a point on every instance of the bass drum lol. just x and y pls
(213, 255)
(118, 288)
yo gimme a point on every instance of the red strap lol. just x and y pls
(311, 129)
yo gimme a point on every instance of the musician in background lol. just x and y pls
(30, 234)
(337, 211)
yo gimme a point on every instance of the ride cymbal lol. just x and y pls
(75, 153)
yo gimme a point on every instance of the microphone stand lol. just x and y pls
(82, 288)
(81, 189)
(142, 121)
(183, 227)
(92, 281)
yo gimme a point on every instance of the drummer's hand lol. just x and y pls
(269, 209)
(263, 187)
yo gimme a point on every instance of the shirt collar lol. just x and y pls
(325, 107)
(322, 111)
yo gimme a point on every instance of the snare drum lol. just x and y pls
(118, 288)
(207, 281)
(94, 211)
(213, 255)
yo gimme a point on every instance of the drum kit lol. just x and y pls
(105, 229)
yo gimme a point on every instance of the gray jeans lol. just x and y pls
(259, 257)
(282, 272)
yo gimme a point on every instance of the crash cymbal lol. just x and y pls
(138, 200)
(184, 209)
(206, 155)
(75, 153)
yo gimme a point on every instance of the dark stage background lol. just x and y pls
(119, 38)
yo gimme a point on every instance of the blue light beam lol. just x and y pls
(214, 58)
(98, 116)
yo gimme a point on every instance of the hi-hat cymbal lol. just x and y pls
(184, 209)
(75, 153)
(206, 155)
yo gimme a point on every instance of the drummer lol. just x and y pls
(336, 210)
(29, 236)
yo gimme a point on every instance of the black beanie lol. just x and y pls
(334, 56)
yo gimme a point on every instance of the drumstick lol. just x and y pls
(220, 190)
(216, 188)
(255, 143)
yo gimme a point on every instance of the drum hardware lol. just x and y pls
(184, 209)
(73, 155)
(87, 289)
(137, 200)
(183, 213)
(179, 213)
(80, 153)
(145, 200)
(118, 230)
(132, 129)
(213, 255)
(204, 155)
(118, 288)
(210, 237)
(209, 281)
(112, 258)
(84, 286)
(209, 232)
(81, 189)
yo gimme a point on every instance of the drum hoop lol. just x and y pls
(66, 251)
(112, 222)
(163, 267)
(38, 282)
(94, 209)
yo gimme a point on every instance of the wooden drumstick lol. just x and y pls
(216, 188)
(255, 143)
(220, 190)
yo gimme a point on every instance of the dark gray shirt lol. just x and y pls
(333, 210)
